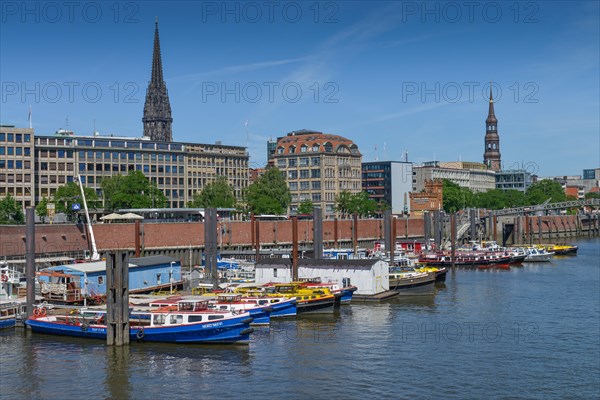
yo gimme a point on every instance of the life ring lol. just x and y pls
(4, 278)
(39, 312)
(140, 333)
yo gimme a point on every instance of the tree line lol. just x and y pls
(269, 194)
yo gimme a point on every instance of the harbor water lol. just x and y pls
(531, 332)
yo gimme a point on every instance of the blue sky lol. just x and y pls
(392, 76)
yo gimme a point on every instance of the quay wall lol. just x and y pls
(156, 237)
(185, 240)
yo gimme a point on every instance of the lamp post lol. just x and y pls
(171, 276)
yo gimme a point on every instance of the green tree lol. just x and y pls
(69, 194)
(592, 195)
(349, 203)
(41, 209)
(269, 194)
(217, 194)
(456, 197)
(306, 207)
(11, 212)
(343, 203)
(133, 190)
(543, 190)
(362, 204)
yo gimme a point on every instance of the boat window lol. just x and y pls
(213, 317)
(159, 319)
(223, 307)
(176, 319)
(195, 318)
(261, 302)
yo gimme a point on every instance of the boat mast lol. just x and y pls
(95, 256)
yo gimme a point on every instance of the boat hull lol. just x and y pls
(414, 286)
(317, 306)
(286, 308)
(8, 322)
(233, 330)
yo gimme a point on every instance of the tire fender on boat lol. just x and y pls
(140, 333)
(84, 326)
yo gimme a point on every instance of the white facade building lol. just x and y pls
(370, 276)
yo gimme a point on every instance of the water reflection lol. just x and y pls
(117, 377)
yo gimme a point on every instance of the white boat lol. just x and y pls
(538, 255)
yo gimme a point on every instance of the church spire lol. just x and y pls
(157, 118)
(491, 155)
(491, 116)
(157, 75)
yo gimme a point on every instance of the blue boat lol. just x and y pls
(280, 306)
(189, 322)
(260, 313)
(8, 314)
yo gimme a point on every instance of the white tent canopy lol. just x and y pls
(110, 217)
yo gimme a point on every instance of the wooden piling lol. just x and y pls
(117, 299)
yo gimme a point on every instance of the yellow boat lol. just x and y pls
(440, 273)
(559, 249)
(308, 300)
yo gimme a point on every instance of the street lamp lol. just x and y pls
(171, 276)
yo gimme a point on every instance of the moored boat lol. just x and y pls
(189, 322)
(409, 282)
(440, 272)
(560, 249)
(9, 312)
(317, 300)
(535, 254)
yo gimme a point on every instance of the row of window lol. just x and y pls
(15, 178)
(129, 144)
(15, 164)
(15, 151)
(300, 162)
(91, 167)
(305, 185)
(305, 174)
(15, 137)
(43, 153)
(315, 197)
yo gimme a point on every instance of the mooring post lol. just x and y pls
(117, 300)
(335, 232)
(294, 248)
(210, 245)
(539, 229)
(257, 238)
(317, 233)
(453, 237)
(393, 239)
(387, 230)
(355, 233)
(472, 220)
(137, 238)
(30, 258)
(437, 230)
(426, 226)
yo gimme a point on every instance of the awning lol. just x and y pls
(131, 216)
(110, 217)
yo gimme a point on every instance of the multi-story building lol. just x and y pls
(585, 183)
(388, 181)
(472, 175)
(318, 167)
(514, 179)
(16, 164)
(431, 198)
(33, 167)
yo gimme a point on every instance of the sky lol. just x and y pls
(399, 78)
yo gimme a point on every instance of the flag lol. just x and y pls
(29, 117)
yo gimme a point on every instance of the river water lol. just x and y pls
(531, 332)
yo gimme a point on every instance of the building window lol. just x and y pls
(303, 148)
(274, 272)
